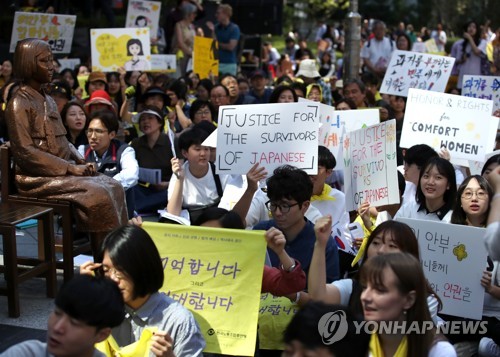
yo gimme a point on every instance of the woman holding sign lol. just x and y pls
(472, 208)
(436, 193)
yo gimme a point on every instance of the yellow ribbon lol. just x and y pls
(325, 194)
(376, 347)
(139, 348)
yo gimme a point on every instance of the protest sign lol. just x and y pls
(269, 134)
(463, 125)
(205, 57)
(70, 63)
(216, 274)
(475, 167)
(163, 63)
(126, 47)
(453, 258)
(483, 87)
(56, 29)
(419, 47)
(370, 166)
(431, 46)
(416, 70)
(144, 14)
(275, 313)
(330, 133)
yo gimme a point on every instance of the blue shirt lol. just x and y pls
(224, 35)
(168, 315)
(302, 247)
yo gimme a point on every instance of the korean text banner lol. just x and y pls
(144, 14)
(205, 57)
(483, 87)
(217, 275)
(453, 258)
(56, 29)
(371, 173)
(416, 70)
(126, 47)
(463, 125)
(269, 134)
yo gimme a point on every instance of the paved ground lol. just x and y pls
(35, 306)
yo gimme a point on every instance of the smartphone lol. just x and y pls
(356, 230)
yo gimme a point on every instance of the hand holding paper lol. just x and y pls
(177, 168)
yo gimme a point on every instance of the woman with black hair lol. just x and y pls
(130, 258)
(470, 52)
(436, 193)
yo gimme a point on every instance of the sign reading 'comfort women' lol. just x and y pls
(463, 125)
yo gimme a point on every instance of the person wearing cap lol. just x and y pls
(308, 73)
(235, 97)
(61, 93)
(111, 157)
(99, 99)
(227, 33)
(86, 309)
(96, 80)
(259, 90)
(153, 150)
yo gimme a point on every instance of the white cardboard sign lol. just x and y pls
(370, 166)
(453, 258)
(463, 125)
(416, 70)
(269, 134)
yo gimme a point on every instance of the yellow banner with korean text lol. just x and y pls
(205, 57)
(275, 313)
(217, 275)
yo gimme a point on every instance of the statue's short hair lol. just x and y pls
(25, 57)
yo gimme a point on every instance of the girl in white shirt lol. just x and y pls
(436, 193)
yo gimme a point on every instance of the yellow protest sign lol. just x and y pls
(275, 313)
(124, 47)
(217, 275)
(205, 57)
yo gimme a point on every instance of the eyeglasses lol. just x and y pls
(96, 131)
(112, 272)
(284, 207)
(481, 195)
(206, 112)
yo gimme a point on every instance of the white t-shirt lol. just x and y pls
(442, 349)
(411, 210)
(378, 52)
(197, 191)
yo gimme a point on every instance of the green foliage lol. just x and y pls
(327, 9)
